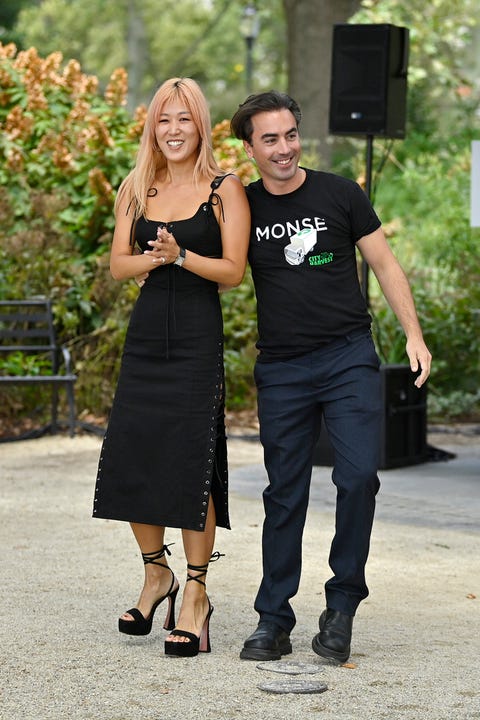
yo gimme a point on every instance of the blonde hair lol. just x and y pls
(150, 159)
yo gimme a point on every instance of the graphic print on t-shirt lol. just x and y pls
(301, 234)
(300, 245)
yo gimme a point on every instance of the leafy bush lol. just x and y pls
(240, 327)
(426, 204)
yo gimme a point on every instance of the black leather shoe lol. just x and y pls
(333, 640)
(268, 642)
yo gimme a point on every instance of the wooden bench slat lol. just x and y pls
(27, 348)
(19, 379)
(43, 301)
(24, 316)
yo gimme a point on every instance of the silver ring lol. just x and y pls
(162, 259)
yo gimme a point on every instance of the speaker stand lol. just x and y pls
(368, 190)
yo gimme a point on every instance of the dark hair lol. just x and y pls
(241, 122)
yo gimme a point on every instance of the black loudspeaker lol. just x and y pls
(368, 91)
(404, 430)
(403, 436)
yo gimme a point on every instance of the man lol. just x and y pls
(316, 356)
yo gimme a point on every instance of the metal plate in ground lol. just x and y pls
(293, 686)
(289, 667)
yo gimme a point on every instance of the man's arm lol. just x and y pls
(396, 288)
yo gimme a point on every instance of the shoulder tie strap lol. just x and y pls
(214, 197)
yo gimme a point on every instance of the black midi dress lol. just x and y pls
(164, 453)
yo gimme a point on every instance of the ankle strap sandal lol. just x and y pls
(140, 625)
(192, 644)
(151, 558)
(202, 569)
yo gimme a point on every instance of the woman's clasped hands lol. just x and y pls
(164, 249)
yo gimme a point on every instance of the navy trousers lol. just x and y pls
(342, 382)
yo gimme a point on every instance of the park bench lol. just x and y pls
(27, 332)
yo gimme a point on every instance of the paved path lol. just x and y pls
(67, 577)
(442, 494)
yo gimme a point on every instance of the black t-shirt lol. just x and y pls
(307, 286)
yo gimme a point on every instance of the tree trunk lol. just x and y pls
(137, 54)
(309, 35)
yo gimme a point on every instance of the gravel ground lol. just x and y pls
(66, 578)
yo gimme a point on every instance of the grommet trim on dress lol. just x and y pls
(210, 465)
(99, 475)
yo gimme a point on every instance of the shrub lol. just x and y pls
(426, 203)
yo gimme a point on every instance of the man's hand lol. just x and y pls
(420, 359)
(140, 279)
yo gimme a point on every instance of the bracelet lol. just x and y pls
(180, 259)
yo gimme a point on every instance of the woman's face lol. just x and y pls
(176, 134)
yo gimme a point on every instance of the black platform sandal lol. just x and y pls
(141, 625)
(195, 643)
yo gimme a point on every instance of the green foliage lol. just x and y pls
(240, 327)
(439, 33)
(9, 10)
(14, 399)
(426, 206)
(457, 405)
(155, 41)
(19, 363)
(63, 140)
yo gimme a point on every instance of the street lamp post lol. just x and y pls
(249, 29)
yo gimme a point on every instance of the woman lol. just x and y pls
(163, 461)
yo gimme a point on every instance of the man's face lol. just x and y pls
(275, 147)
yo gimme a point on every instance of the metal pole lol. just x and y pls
(368, 190)
(249, 67)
